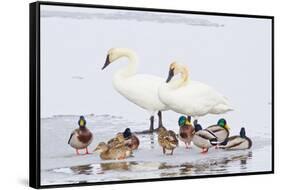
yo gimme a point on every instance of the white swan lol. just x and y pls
(140, 89)
(191, 98)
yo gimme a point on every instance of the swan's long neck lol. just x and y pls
(131, 68)
(182, 81)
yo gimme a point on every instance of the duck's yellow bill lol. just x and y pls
(227, 127)
(82, 122)
(187, 122)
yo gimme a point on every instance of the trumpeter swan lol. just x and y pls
(140, 89)
(188, 97)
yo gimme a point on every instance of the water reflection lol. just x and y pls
(151, 141)
(84, 169)
(231, 164)
(115, 166)
(224, 165)
(148, 141)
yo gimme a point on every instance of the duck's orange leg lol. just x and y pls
(188, 146)
(77, 152)
(204, 150)
(87, 152)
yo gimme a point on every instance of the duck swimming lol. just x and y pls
(203, 139)
(135, 87)
(167, 139)
(238, 142)
(82, 137)
(113, 153)
(221, 130)
(186, 130)
(189, 97)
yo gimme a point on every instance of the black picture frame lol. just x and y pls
(34, 98)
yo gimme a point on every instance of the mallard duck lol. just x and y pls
(126, 138)
(167, 139)
(203, 139)
(186, 130)
(82, 137)
(131, 140)
(112, 153)
(117, 141)
(238, 142)
(221, 130)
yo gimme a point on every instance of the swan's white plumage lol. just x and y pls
(192, 98)
(140, 89)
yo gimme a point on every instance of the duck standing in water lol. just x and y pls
(238, 142)
(221, 130)
(186, 130)
(82, 137)
(113, 153)
(167, 139)
(203, 139)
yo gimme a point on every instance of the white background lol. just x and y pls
(14, 92)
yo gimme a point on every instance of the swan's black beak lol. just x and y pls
(170, 76)
(107, 62)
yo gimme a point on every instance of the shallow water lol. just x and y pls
(60, 165)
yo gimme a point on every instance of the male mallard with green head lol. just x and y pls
(113, 153)
(238, 142)
(203, 139)
(186, 130)
(167, 139)
(221, 130)
(82, 137)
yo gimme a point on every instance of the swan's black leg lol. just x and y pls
(151, 127)
(160, 124)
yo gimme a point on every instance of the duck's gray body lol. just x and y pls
(220, 132)
(238, 143)
(203, 138)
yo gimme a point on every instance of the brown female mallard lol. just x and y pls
(82, 137)
(113, 153)
(126, 138)
(167, 139)
(117, 141)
